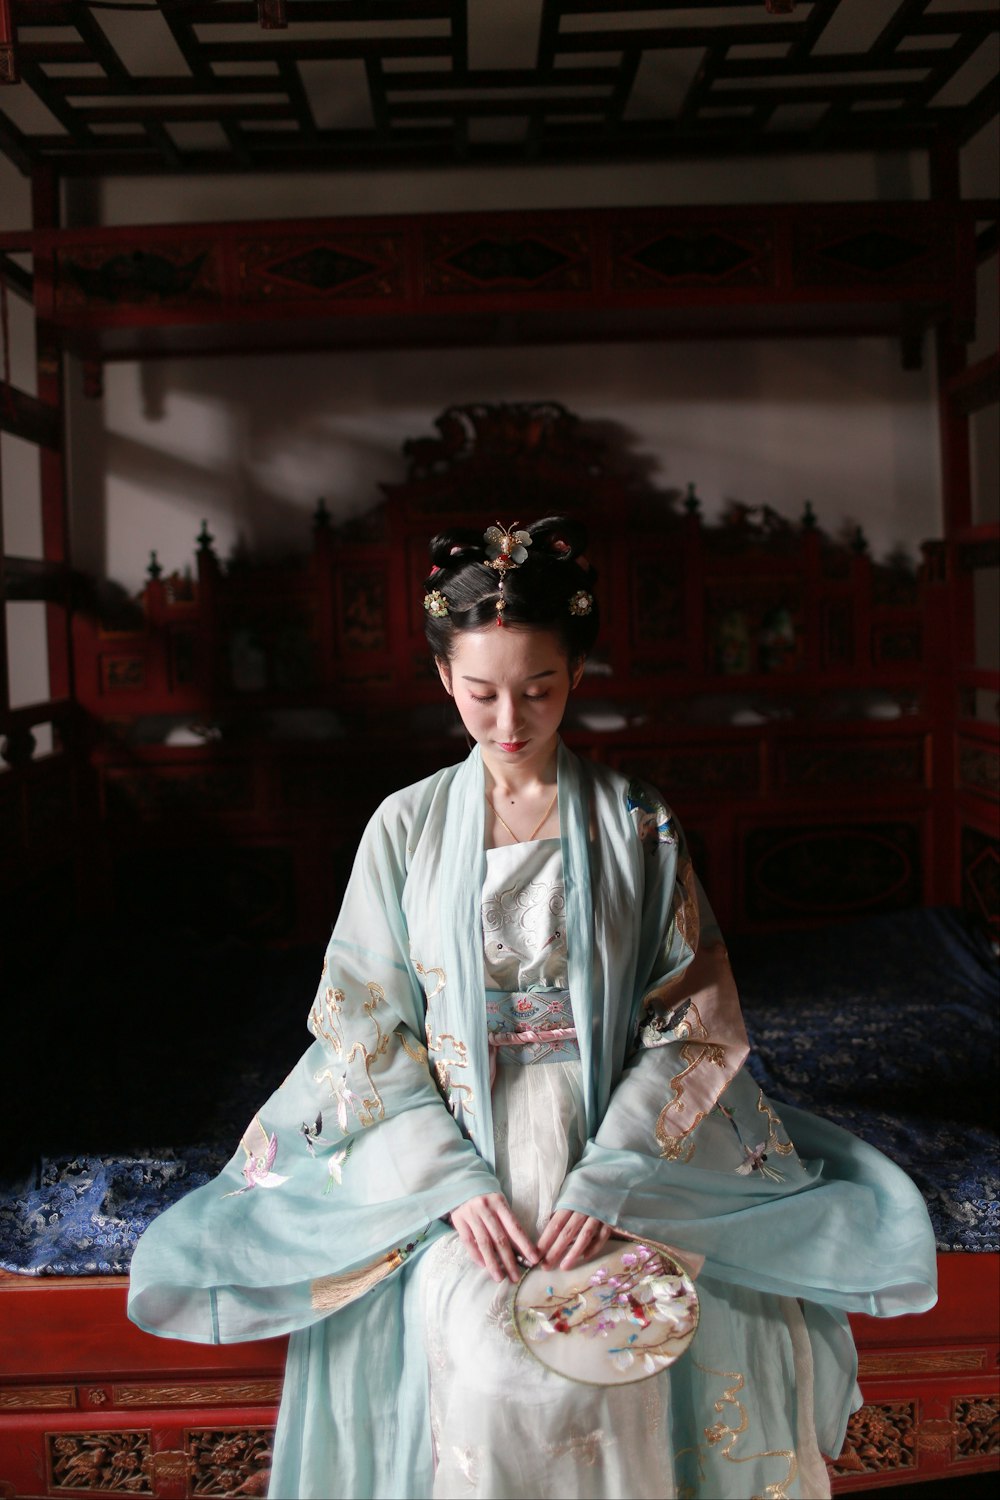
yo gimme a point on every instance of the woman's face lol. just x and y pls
(510, 686)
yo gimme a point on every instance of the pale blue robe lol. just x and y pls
(342, 1180)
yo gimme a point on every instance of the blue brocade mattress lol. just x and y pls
(887, 1026)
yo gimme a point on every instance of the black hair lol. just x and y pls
(537, 594)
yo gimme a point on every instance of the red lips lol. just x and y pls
(515, 745)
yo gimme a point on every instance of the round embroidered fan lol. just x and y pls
(622, 1317)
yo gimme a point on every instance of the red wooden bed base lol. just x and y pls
(89, 1403)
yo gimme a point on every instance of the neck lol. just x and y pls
(512, 780)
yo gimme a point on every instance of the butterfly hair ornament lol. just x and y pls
(505, 550)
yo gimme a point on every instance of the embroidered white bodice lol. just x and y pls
(524, 940)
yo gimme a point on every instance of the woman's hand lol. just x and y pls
(570, 1237)
(493, 1237)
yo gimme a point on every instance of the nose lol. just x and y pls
(508, 718)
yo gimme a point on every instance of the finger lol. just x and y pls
(581, 1245)
(505, 1250)
(520, 1239)
(564, 1239)
(552, 1228)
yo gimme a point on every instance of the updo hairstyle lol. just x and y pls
(537, 593)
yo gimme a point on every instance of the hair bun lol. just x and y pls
(454, 548)
(561, 538)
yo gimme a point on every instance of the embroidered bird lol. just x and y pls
(655, 824)
(756, 1161)
(261, 1150)
(336, 1165)
(312, 1134)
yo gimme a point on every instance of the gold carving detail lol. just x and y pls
(879, 1438)
(220, 1392)
(229, 1460)
(935, 1435)
(37, 1397)
(922, 1364)
(977, 1426)
(103, 1462)
(169, 1467)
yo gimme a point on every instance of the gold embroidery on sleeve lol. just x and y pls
(425, 974)
(444, 1065)
(412, 1049)
(368, 1107)
(323, 1018)
(783, 1148)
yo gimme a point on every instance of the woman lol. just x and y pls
(526, 1033)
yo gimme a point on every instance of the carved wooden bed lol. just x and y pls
(798, 703)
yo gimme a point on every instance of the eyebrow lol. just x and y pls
(486, 682)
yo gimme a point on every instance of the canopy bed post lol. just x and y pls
(42, 851)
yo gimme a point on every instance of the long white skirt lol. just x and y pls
(732, 1418)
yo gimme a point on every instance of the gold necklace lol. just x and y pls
(542, 820)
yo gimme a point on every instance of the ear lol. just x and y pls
(444, 672)
(576, 671)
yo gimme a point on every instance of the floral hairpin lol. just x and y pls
(436, 604)
(581, 603)
(505, 550)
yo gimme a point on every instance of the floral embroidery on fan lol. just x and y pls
(655, 822)
(261, 1150)
(619, 1307)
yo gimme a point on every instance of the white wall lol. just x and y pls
(250, 444)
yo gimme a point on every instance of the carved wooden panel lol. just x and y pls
(325, 266)
(499, 255)
(977, 1426)
(229, 1460)
(117, 1463)
(794, 872)
(706, 254)
(109, 274)
(37, 1397)
(881, 1437)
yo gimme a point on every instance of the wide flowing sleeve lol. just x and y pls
(345, 1172)
(690, 1152)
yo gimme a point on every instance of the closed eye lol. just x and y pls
(489, 697)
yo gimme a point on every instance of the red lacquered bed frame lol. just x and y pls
(90, 1403)
(785, 691)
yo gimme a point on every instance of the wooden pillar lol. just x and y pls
(52, 460)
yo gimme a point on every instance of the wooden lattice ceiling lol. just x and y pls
(125, 86)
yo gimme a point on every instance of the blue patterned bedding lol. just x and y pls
(887, 1026)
